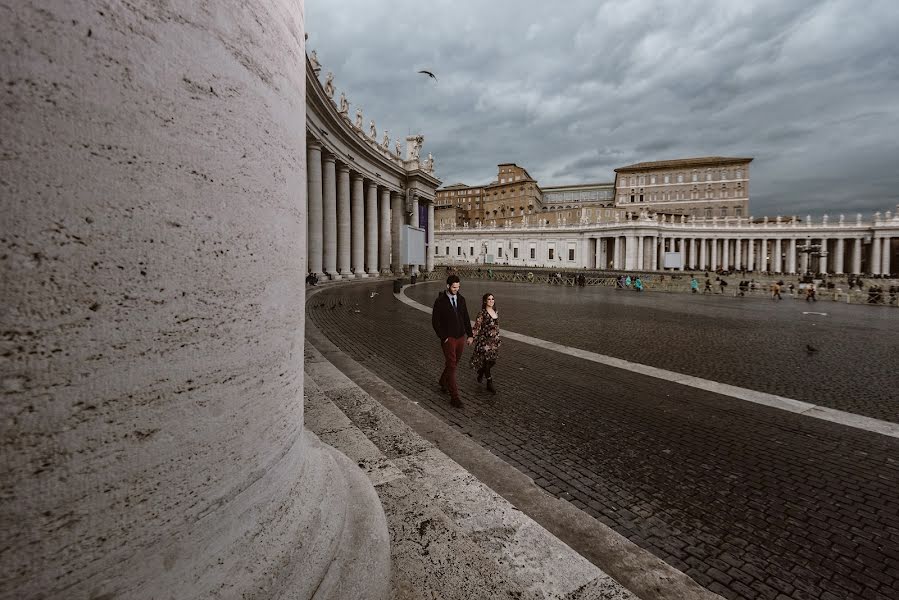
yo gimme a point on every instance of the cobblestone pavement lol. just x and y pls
(753, 343)
(750, 501)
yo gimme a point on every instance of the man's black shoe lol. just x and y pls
(456, 402)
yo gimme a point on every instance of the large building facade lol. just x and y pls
(678, 214)
(712, 186)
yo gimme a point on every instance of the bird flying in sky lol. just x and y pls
(429, 74)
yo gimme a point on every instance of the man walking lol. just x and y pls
(452, 325)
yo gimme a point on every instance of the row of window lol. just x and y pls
(707, 194)
(635, 180)
(550, 252)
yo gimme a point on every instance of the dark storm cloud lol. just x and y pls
(571, 91)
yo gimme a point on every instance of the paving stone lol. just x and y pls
(716, 474)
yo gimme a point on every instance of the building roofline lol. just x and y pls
(684, 162)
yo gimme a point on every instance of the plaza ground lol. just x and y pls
(749, 501)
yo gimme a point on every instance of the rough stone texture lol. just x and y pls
(452, 537)
(152, 178)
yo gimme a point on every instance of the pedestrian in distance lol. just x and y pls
(627, 281)
(694, 285)
(722, 284)
(775, 291)
(486, 341)
(708, 287)
(449, 318)
(638, 284)
(811, 294)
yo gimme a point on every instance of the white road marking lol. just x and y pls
(813, 313)
(788, 404)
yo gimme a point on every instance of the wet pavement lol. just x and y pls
(750, 501)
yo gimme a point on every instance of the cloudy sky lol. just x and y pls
(571, 90)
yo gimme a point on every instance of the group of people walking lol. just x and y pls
(451, 323)
(625, 282)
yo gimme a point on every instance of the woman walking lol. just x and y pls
(486, 340)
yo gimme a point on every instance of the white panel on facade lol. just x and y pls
(412, 245)
(673, 260)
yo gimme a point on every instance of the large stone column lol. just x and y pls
(776, 262)
(762, 256)
(641, 243)
(703, 255)
(384, 237)
(839, 251)
(655, 245)
(616, 254)
(329, 216)
(750, 255)
(738, 254)
(876, 265)
(160, 454)
(885, 256)
(791, 259)
(429, 256)
(371, 228)
(357, 225)
(314, 201)
(693, 253)
(343, 221)
(714, 242)
(413, 221)
(683, 254)
(857, 256)
(396, 203)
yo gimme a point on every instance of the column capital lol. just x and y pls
(343, 168)
(313, 143)
(356, 176)
(328, 157)
(371, 184)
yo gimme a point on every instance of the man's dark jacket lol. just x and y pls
(449, 322)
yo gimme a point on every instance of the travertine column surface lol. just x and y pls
(396, 201)
(384, 237)
(153, 189)
(838, 259)
(343, 221)
(329, 216)
(857, 256)
(875, 262)
(885, 256)
(357, 224)
(429, 256)
(314, 200)
(371, 228)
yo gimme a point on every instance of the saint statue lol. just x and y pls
(344, 104)
(385, 143)
(399, 150)
(429, 163)
(372, 132)
(313, 60)
(358, 123)
(329, 85)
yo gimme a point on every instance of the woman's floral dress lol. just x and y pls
(486, 339)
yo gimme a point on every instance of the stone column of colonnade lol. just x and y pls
(776, 260)
(371, 229)
(826, 264)
(692, 254)
(397, 206)
(856, 256)
(738, 254)
(414, 222)
(160, 476)
(356, 222)
(343, 221)
(429, 247)
(329, 216)
(875, 262)
(885, 256)
(791, 257)
(384, 234)
(314, 205)
(839, 251)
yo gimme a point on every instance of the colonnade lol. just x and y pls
(833, 255)
(354, 221)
